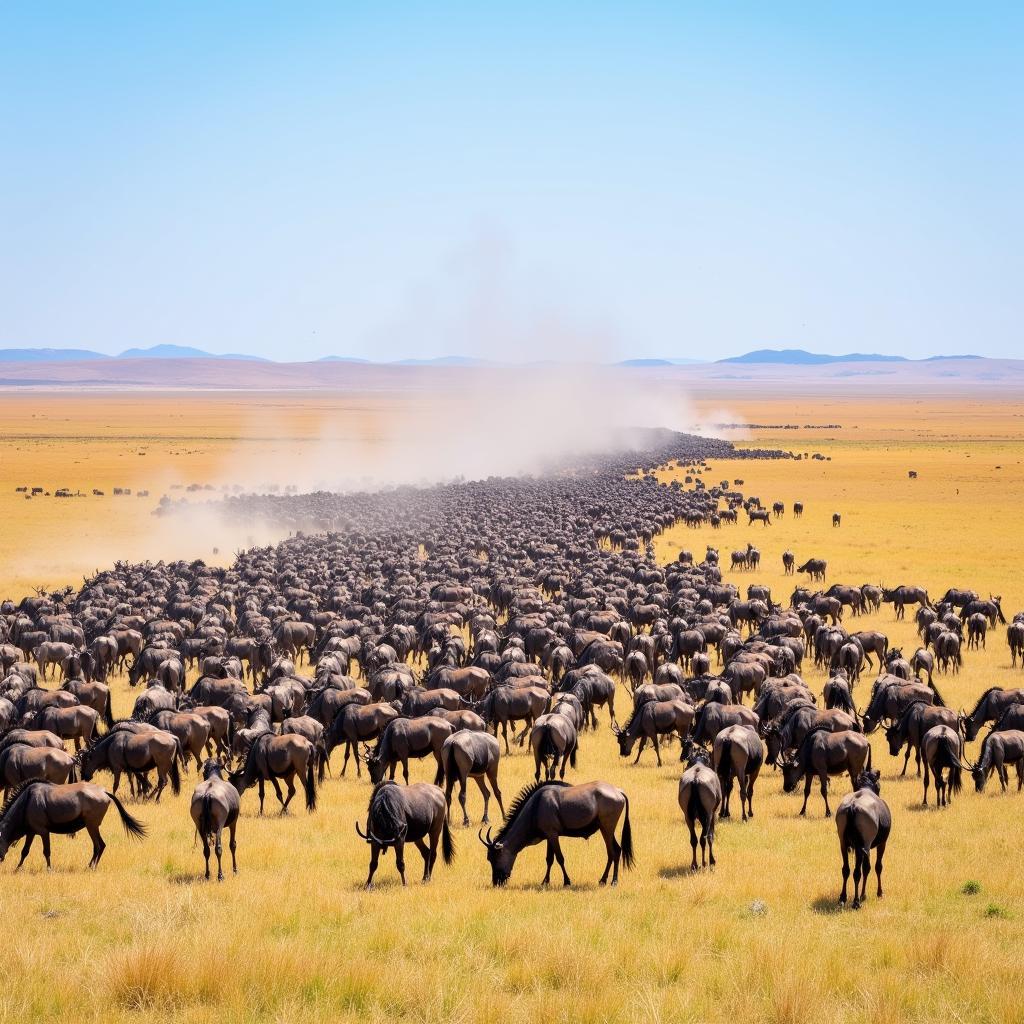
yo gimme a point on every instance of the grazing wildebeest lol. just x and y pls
(990, 705)
(999, 749)
(864, 822)
(836, 519)
(125, 751)
(942, 750)
(738, 753)
(911, 726)
(821, 754)
(472, 755)
(836, 694)
(397, 815)
(788, 562)
(816, 568)
(652, 720)
(38, 808)
(215, 806)
(505, 704)
(547, 810)
(1015, 639)
(403, 738)
(700, 797)
(890, 697)
(787, 732)
(279, 757)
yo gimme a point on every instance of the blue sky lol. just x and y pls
(593, 180)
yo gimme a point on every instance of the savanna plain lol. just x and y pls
(294, 937)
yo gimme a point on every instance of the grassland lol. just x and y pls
(294, 937)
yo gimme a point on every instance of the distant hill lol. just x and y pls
(659, 362)
(47, 355)
(800, 357)
(183, 352)
(445, 361)
(341, 359)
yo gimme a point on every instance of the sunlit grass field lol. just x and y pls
(295, 938)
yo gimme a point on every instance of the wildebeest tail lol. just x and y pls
(321, 759)
(950, 754)
(132, 826)
(174, 774)
(108, 713)
(869, 756)
(724, 769)
(310, 783)
(205, 826)
(572, 753)
(447, 843)
(628, 860)
(73, 771)
(939, 702)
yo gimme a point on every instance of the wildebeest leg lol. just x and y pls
(479, 779)
(824, 794)
(161, 781)
(290, 781)
(845, 851)
(220, 851)
(640, 749)
(45, 839)
(550, 859)
(561, 863)
(750, 797)
(492, 777)
(428, 859)
(206, 853)
(924, 802)
(24, 850)
(374, 860)
(349, 746)
(98, 846)
(565, 761)
(504, 733)
(262, 791)
(693, 846)
(116, 772)
(879, 853)
(538, 760)
(232, 846)
(439, 774)
(858, 870)
(462, 800)
(906, 760)
(808, 781)
(400, 859)
(657, 749)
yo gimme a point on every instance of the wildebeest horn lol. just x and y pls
(480, 836)
(362, 834)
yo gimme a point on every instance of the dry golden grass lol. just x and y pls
(294, 937)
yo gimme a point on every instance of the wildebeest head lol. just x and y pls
(694, 753)
(374, 765)
(869, 779)
(792, 773)
(625, 741)
(895, 741)
(499, 857)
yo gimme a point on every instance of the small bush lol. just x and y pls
(971, 888)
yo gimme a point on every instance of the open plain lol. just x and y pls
(294, 936)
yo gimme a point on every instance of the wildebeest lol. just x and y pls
(403, 738)
(891, 696)
(125, 751)
(989, 706)
(652, 720)
(942, 750)
(700, 797)
(358, 723)
(20, 762)
(788, 562)
(546, 811)
(472, 755)
(814, 567)
(553, 738)
(738, 753)
(38, 808)
(215, 807)
(910, 728)
(279, 757)
(900, 597)
(821, 754)
(864, 823)
(397, 815)
(999, 749)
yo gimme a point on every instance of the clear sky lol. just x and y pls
(607, 180)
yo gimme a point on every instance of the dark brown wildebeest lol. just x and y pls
(468, 721)
(896, 665)
(700, 797)
(821, 754)
(836, 519)
(77, 723)
(219, 722)
(125, 751)
(215, 806)
(788, 563)
(635, 669)
(505, 704)
(1015, 639)
(471, 682)
(947, 651)
(864, 822)
(992, 609)
(872, 641)
(900, 597)
(20, 762)
(798, 508)
(327, 703)
(418, 702)
(38, 808)
(942, 750)
(279, 757)
(652, 720)
(472, 755)
(657, 691)
(758, 515)
(787, 732)
(92, 695)
(891, 696)
(816, 568)
(738, 753)
(403, 738)
(999, 749)
(848, 660)
(713, 717)
(836, 694)
(990, 705)
(553, 738)
(192, 731)
(918, 718)
(977, 627)
(923, 661)
(547, 810)
(778, 509)
(407, 814)
(358, 723)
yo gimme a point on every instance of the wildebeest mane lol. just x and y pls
(20, 792)
(520, 802)
(981, 699)
(386, 811)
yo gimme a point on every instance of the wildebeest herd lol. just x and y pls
(457, 621)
